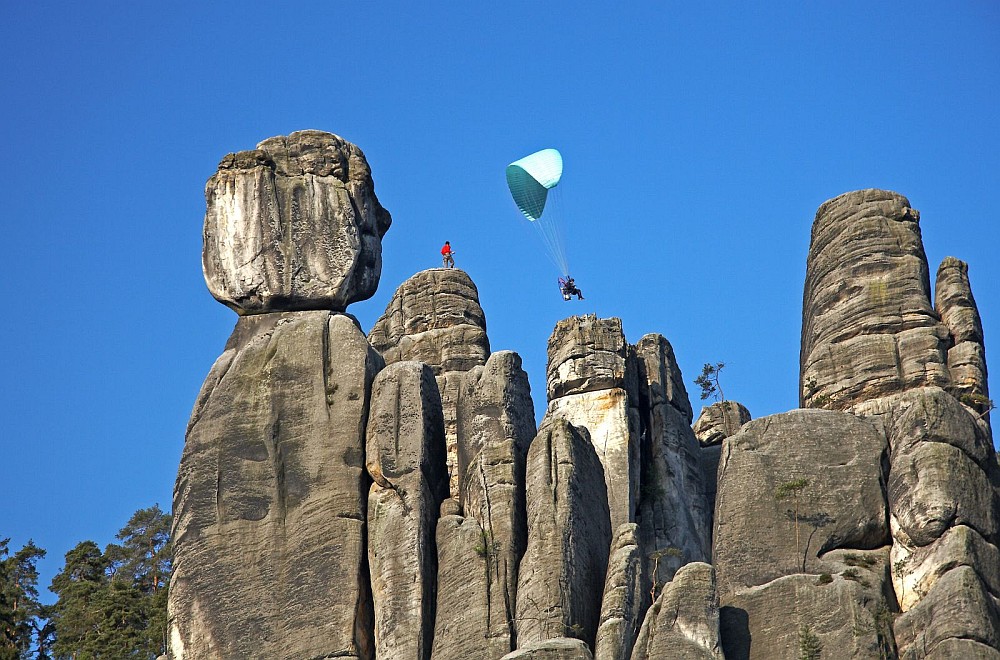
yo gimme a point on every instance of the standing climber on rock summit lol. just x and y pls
(447, 260)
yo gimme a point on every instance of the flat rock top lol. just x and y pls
(586, 354)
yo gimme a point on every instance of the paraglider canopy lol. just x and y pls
(531, 178)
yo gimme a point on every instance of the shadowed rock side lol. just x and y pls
(868, 327)
(269, 506)
(435, 318)
(675, 514)
(625, 597)
(496, 423)
(406, 460)
(683, 624)
(716, 423)
(561, 576)
(293, 225)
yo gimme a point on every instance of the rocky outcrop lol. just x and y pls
(559, 648)
(496, 423)
(868, 326)
(966, 354)
(792, 487)
(719, 421)
(293, 225)
(625, 597)
(683, 623)
(561, 576)
(435, 318)
(269, 506)
(406, 461)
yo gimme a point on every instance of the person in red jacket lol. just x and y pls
(447, 260)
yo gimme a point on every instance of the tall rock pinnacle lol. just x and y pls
(293, 225)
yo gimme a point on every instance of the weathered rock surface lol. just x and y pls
(838, 461)
(719, 421)
(966, 354)
(496, 423)
(675, 512)
(587, 354)
(956, 608)
(406, 460)
(613, 428)
(868, 327)
(461, 625)
(561, 576)
(683, 623)
(293, 225)
(559, 648)
(625, 597)
(847, 617)
(269, 505)
(435, 318)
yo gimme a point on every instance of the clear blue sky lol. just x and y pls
(698, 142)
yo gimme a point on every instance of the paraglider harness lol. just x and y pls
(568, 288)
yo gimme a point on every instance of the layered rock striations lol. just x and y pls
(406, 461)
(389, 496)
(269, 506)
(293, 225)
(435, 318)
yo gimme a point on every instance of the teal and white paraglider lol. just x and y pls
(532, 181)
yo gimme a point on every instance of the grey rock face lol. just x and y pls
(683, 623)
(966, 354)
(269, 505)
(435, 318)
(406, 460)
(293, 225)
(561, 576)
(760, 537)
(868, 327)
(461, 624)
(846, 617)
(496, 423)
(625, 597)
(588, 354)
(675, 512)
(719, 421)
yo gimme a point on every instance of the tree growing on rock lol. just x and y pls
(708, 381)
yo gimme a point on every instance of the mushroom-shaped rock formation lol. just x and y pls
(293, 225)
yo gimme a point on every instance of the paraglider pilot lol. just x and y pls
(447, 258)
(569, 288)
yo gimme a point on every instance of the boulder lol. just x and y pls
(868, 327)
(561, 576)
(625, 597)
(435, 318)
(269, 505)
(957, 607)
(792, 487)
(406, 461)
(840, 616)
(719, 421)
(293, 225)
(683, 623)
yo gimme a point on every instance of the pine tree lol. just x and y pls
(20, 610)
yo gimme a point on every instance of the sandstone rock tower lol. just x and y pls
(390, 497)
